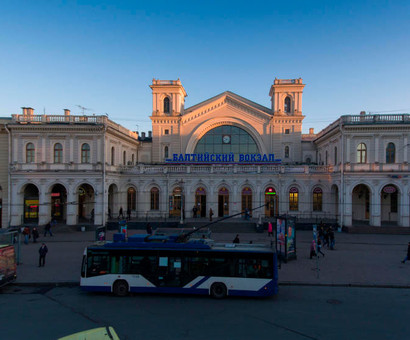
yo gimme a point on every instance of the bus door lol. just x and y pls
(170, 269)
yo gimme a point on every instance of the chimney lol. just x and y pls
(150, 134)
(311, 131)
(30, 111)
(362, 113)
(66, 112)
(24, 111)
(143, 135)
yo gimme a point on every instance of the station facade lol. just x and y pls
(226, 154)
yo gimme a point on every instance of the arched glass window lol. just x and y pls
(131, 199)
(390, 153)
(227, 139)
(317, 199)
(287, 104)
(335, 155)
(85, 153)
(30, 151)
(293, 199)
(361, 153)
(58, 153)
(326, 157)
(124, 158)
(166, 105)
(154, 198)
(132, 159)
(166, 155)
(112, 155)
(286, 151)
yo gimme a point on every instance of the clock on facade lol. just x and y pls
(226, 139)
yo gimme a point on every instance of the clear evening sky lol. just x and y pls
(102, 55)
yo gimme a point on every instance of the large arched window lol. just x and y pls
(58, 153)
(326, 157)
(166, 154)
(227, 139)
(391, 153)
(317, 199)
(287, 104)
(112, 155)
(293, 199)
(30, 151)
(361, 153)
(124, 158)
(85, 153)
(154, 198)
(166, 105)
(131, 199)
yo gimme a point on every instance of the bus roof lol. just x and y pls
(142, 241)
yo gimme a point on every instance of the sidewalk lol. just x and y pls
(358, 260)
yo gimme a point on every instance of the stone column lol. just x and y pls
(347, 208)
(44, 210)
(72, 206)
(403, 203)
(375, 211)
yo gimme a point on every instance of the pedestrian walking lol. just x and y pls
(408, 254)
(120, 213)
(312, 249)
(319, 248)
(128, 213)
(194, 211)
(149, 229)
(47, 229)
(43, 252)
(26, 233)
(109, 213)
(332, 238)
(236, 239)
(326, 238)
(35, 234)
(270, 229)
(211, 213)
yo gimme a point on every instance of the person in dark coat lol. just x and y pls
(408, 254)
(35, 234)
(211, 213)
(47, 229)
(43, 252)
(120, 213)
(149, 229)
(128, 213)
(236, 239)
(332, 238)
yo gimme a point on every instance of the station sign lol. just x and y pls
(229, 158)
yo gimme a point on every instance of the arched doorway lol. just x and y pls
(389, 203)
(223, 202)
(131, 199)
(58, 202)
(200, 201)
(271, 202)
(86, 200)
(31, 204)
(112, 201)
(361, 203)
(247, 200)
(175, 203)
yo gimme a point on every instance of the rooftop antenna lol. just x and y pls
(83, 109)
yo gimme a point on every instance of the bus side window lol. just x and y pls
(97, 265)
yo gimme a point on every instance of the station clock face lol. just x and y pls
(226, 139)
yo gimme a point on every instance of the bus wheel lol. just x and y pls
(218, 290)
(120, 288)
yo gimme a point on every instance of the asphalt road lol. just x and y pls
(298, 312)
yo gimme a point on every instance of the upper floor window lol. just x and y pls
(361, 153)
(390, 153)
(85, 153)
(58, 153)
(112, 155)
(124, 158)
(166, 131)
(335, 155)
(286, 151)
(326, 158)
(287, 104)
(166, 105)
(166, 152)
(133, 158)
(287, 131)
(30, 151)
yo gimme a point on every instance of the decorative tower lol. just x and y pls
(286, 97)
(168, 100)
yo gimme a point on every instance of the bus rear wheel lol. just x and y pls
(218, 290)
(120, 288)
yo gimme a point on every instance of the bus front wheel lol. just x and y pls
(120, 288)
(218, 290)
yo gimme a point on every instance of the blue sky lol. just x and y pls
(103, 54)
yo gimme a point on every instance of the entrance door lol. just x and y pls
(223, 202)
(271, 202)
(200, 202)
(247, 200)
